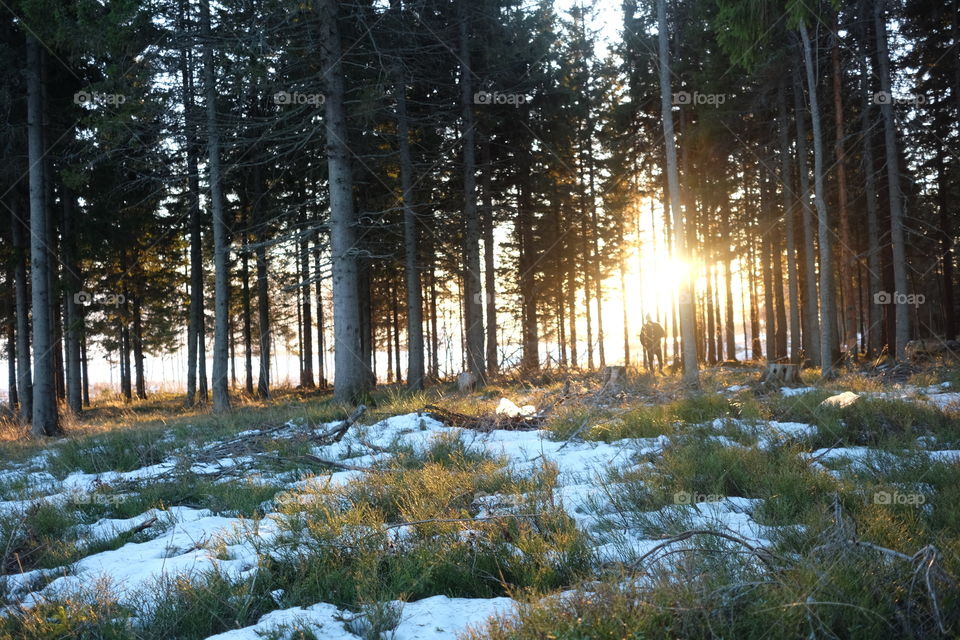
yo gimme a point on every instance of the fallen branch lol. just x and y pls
(484, 423)
(331, 463)
(762, 554)
(926, 563)
(146, 524)
(459, 520)
(336, 434)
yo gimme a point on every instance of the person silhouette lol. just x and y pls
(651, 336)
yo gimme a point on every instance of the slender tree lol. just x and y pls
(902, 333)
(691, 373)
(352, 375)
(221, 249)
(45, 421)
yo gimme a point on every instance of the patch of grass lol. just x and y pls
(46, 536)
(787, 485)
(408, 533)
(241, 497)
(799, 408)
(93, 614)
(568, 421)
(647, 421)
(115, 451)
(868, 421)
(877, 421)
(295, 631)
(709, 595)
(194, 608)
(925, 503)
(446, 449)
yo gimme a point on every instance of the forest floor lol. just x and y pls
(567, 511)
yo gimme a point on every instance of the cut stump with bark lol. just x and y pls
(780, 374)
(613, 378)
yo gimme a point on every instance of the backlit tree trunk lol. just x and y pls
(691, 375)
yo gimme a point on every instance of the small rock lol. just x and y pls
(511, 410)
(841, 400)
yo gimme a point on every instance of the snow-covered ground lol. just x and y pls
(191, 541)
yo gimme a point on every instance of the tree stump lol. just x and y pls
(780, 374)
(613, 378)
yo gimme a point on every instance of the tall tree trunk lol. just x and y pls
(306, 373)
(434, 335)
(874, 268)
(712, 321)
(811, 334)
(622, 255)
(138, 356)
(848, 337)
(489, 266)
(126, 378)
(221, 248)
(527, 265)
(24, 368)
(946, 246)
(395, 309)
(51, 239)
(595, 245)
(10, 309)
(691, 375)
(45, 416)
(729, 320)
(717, 313)
(263, 289)
(828, 316)
(13, 397)
(195, 349)
(472, 294)
(321, 331)
(779, 303)
(755, 346)
(126, 385)
(587, 258)
(74, 318)
(389, 349)
(902, 335)
(233, 354)
(415, 351)
(368, 327)
(769, 319)
(84, 369)
(789, 225)
(247, 317)
(766, 259)
(572, 306)
(351, 370)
